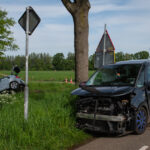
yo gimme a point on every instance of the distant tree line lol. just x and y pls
(120, 56)
(43, 61)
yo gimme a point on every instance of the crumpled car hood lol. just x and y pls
(103, 91)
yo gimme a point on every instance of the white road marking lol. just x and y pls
(144, 147)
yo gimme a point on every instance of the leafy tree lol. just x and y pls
(70, 62)
(58, 61)
(6, 37)
(71, 56)
(119, 56)
(1, 56)
(79, 10)
(141, 55)
(128, 56)
(19, 61)
(91, 62)
(40, 61)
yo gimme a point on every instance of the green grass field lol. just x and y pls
(51, 122)
(46, 75)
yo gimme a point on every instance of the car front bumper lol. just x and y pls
(101, 123)
(119, 118)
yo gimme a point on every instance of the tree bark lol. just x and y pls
(79, 10)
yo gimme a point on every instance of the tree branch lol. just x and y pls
(70, 6)
(82, 3)
(88, 4)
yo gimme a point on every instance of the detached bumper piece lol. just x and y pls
(101, 123)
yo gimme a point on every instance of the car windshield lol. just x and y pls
(115, 75)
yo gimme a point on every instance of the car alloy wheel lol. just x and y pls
(14, 85)
(141, 120)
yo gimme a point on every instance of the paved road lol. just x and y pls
(128, 142)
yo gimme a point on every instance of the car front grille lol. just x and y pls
(96, 105)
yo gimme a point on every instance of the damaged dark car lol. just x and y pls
(116, 99)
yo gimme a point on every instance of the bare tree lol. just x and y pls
(79, 10)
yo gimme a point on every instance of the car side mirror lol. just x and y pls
(82, 84)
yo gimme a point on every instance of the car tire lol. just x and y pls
(141, 120)
(14, 85)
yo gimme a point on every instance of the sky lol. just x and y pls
(128, 24)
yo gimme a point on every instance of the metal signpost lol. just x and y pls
(104, 50)
(28, 21)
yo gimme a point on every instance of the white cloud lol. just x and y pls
(102, 8)
(98, 2)
(47, 38)
(58, 28)
(109, 5)
(44, 11)
(52, 11)
(132, 20)
(128, 25)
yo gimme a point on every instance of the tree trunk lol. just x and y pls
(79, 9)
(81, 31)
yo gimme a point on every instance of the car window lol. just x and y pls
(115, 75)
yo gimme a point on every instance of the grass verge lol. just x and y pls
(51, 121)
(46, 75)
